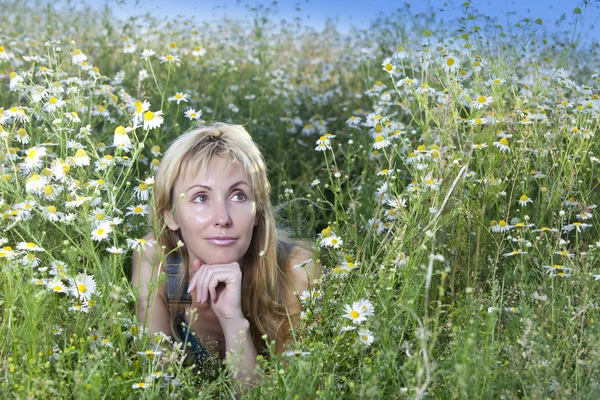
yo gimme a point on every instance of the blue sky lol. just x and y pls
(360, 12)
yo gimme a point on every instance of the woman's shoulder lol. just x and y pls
(147, 257)
(302, 268)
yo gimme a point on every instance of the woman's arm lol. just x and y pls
(302, 270)
(153, 309)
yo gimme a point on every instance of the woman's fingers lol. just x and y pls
(209, 276)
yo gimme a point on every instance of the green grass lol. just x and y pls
(471, 298)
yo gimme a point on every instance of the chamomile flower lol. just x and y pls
(147, 53)
(81, 159)
(153, 120)
(479, 146)
(51, 214)
(523, 200)
(450, 63)
(179, 97)
(381, 142)
(192, 114)
(140, 385)
(121, 140)
(502, 144)
(142, 191)
(481, 102)
(579, 226)
(169, 58)
(500, 226)
(57, 286)
(135, 243)
(29, 246)
(83, 286)
(331, 241)
(140, 209)
(354, 313)
(198, 51)
(101, 232)
(365, 336)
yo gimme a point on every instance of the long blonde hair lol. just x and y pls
(266, 292)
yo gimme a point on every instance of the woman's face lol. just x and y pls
(217, 213)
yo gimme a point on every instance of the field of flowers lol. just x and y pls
(447, 174)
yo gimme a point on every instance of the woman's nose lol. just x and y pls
(222, 218)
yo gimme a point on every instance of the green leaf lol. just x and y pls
(538, 21)
(577, 10)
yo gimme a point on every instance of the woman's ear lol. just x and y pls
(170, 220)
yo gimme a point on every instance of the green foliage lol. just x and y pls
(447, 174)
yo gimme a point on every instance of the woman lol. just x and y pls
(214, 225)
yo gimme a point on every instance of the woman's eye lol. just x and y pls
(200, 198)
(239, 196)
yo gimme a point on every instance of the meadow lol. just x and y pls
(447, 175)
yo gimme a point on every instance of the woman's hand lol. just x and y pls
(221, 285)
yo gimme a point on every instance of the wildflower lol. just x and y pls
(388, 66)
(451, 64)
(514, 253)
(57, 286)
(140, 209)
(101, 232)
(35, 183)
(381, 142)
(565, 253)
(479, 146)
(115, 250)
(198, 51)
(81, 158)
(331, 241)
(192, 114)
(558, 270)
(140, 385)
(16, 81)
(316, 182)
(500, 226)
(135, 243)
(169, 58)
(502, 145)
(82, 308)
(354, 313)
(150, 353)
(121, 140)
(142, 191)
(53, 104)
(546, 229)
(523, 200)
(481, 102)
(431, 183)
(511, 310)
(571, 202)
(579, 226)
(139, 109)
(353, 122)
(179, 97)
(366, 308)
(29, 246)
(152, 119)
(365, 336)
(324, 142)
(83, 286)
(78, 57)
(146, 54)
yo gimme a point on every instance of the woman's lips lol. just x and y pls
(221, 240)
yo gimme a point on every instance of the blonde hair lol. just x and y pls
(265, 287)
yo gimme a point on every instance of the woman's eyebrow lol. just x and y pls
(210, 188)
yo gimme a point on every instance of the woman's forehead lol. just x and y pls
(214, 170)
